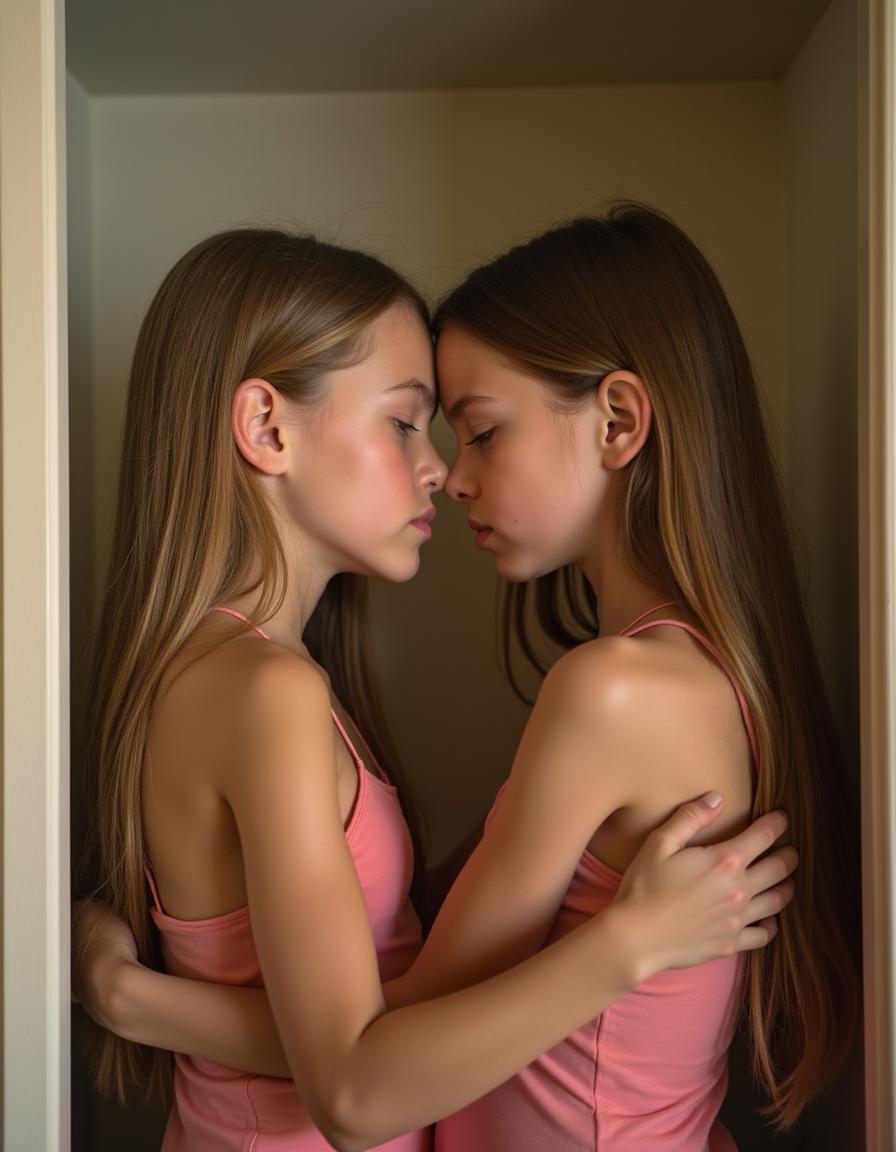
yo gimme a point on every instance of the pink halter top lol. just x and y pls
(220, 1109)
(650, 1073)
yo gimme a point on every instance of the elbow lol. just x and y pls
(343, 1142)
(346, 1124)
(343, 1137)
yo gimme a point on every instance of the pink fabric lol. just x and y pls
(648, 1075)
(219, 1109)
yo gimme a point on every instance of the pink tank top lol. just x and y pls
(220, 1109)
(649, 1074)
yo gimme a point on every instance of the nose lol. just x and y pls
(434, 471)
(459, 486)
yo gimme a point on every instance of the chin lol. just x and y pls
(518, 569)
(514, 571)
(397, 571)
(402, 572)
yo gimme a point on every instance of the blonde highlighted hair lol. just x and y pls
(193, 528)
(702, 520)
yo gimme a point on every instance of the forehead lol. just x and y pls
(399, 338)
(463, 363)
(395, 350)
(470, 370)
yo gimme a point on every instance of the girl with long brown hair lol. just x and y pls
(276, 451)
(613, 459)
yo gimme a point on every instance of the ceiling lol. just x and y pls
(192, 46)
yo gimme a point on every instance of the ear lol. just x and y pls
(256, 415)
(628, 417)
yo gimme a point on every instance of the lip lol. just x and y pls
(423, 522)
(483, 531)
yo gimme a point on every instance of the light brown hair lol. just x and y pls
(193, 528)
(702, 520)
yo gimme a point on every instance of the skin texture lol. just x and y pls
(659, 709)
(259, 816)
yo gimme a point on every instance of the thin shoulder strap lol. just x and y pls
(152, 887)
(635, 628)
(649, 612)
(239, 616)
(342, 732)
(348, 742)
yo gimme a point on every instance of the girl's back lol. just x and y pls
(203, 921)
(651, 1072)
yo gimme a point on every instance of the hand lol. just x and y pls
(102, 945)
(691, 905)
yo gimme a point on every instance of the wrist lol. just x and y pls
(629, 945)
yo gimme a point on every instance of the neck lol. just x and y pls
(305, 584)
(621, 596)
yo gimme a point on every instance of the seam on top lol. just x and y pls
(257, 1132)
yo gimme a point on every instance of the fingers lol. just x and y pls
(757, 935)
(686, 822)
(758, 838)
(769, 902)
(771, 869)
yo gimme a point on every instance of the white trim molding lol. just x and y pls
(35, 625)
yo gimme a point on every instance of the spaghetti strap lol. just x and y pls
(635, 628)
(239, 616)
(153, 889)
(359, 763)
(644, 615)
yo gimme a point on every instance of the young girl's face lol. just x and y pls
(530, 475)
(361, 491)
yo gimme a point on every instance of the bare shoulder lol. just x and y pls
(660, 714)
(584, 716)
(600, 682)
(620, 680)
(242, 696)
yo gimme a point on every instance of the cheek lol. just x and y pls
(382, 474)
(550, 496)
(531, 487)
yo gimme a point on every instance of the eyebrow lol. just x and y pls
(460, 405)
(415, 385)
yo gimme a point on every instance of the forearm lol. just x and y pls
(416, 1064)
(230, 1025)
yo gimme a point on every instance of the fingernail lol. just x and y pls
(712, 799)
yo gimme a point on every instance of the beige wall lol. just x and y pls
(434, 182)
(820, 116)
(762, 175)
(820, 461)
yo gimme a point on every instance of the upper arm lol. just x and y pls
(309, 920)
(568, 775)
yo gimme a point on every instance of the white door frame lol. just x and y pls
(35, 616)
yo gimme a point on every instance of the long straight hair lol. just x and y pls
(193, 528)
(701, 519)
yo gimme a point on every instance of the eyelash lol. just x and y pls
(482, 440)
(404, 427)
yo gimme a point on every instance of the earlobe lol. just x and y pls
(628, 417)
(255, 418)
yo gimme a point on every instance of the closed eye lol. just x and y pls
(482, 439)
(404, 427)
